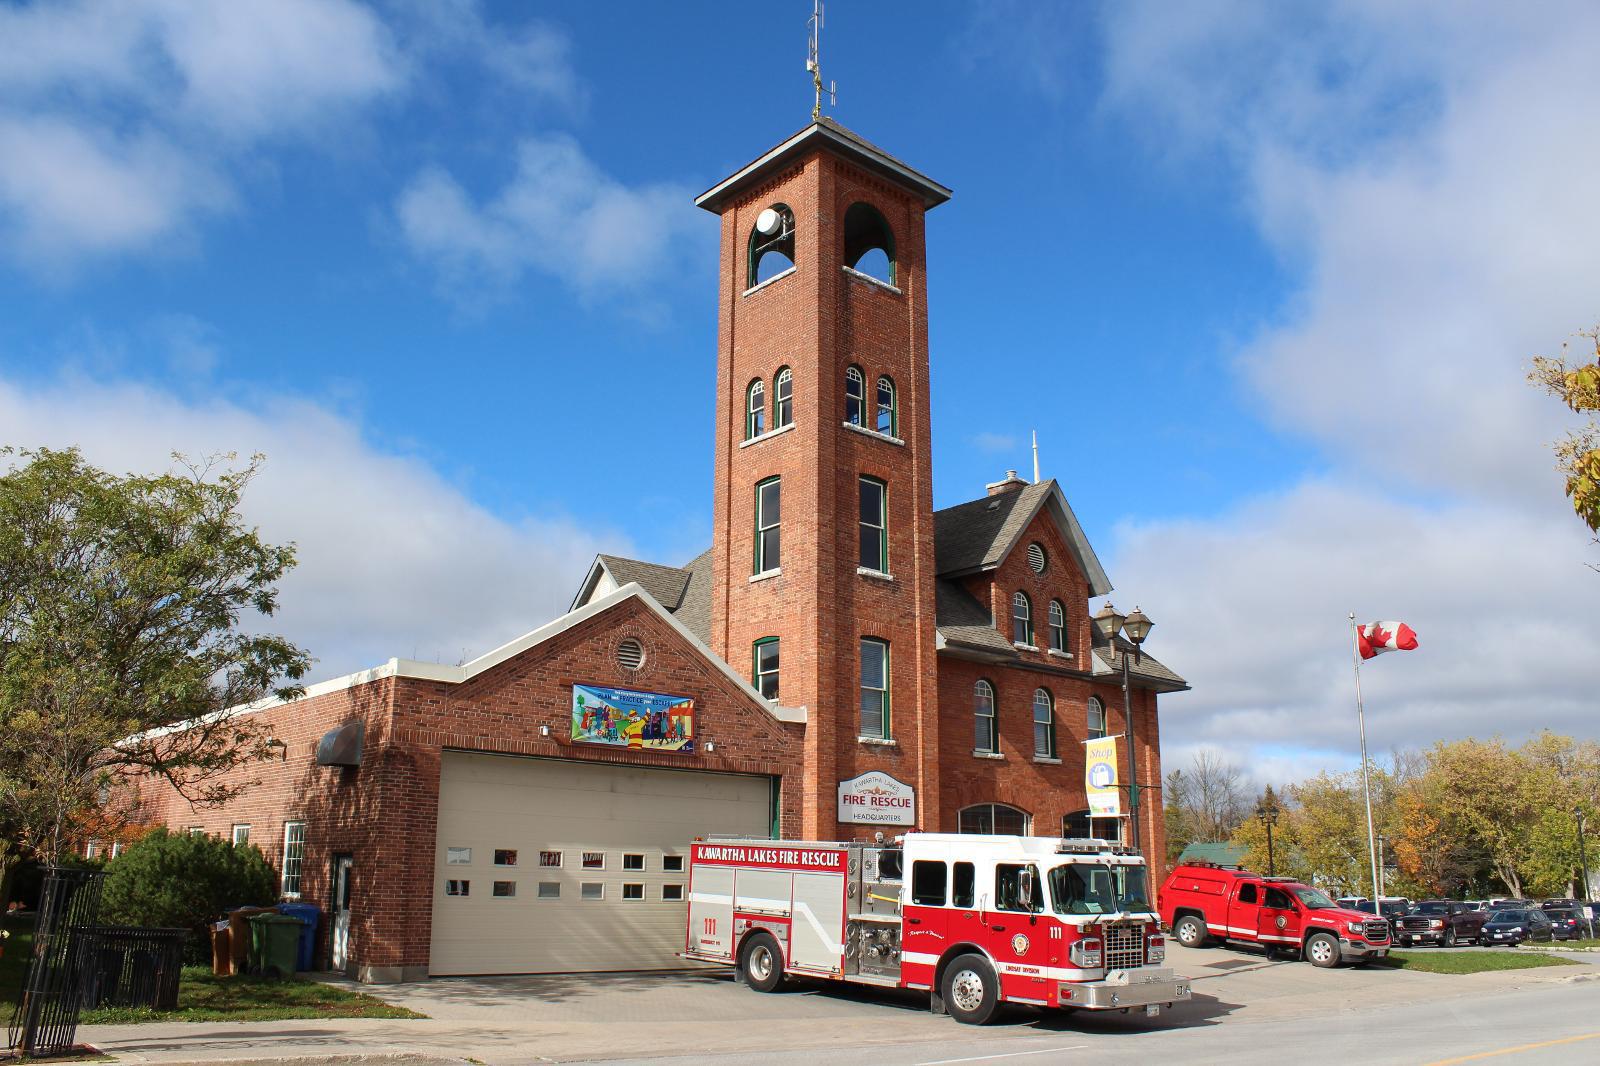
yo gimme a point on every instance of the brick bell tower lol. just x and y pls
(822, 553)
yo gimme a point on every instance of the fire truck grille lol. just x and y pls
(1377, 931)
(1124, 947)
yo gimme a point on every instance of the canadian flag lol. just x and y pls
(1375, 638)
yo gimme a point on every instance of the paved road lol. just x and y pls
(1246, 1010)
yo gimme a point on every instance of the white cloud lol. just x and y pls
(123, 125)
(559, 214)
(394, 560)
(1427, 175)
(994, 443)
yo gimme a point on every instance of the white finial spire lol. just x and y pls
(1035, 457)
(814, 61)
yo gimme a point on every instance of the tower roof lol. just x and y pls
(825, 133)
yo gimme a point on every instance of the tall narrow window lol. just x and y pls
(294, 853)
(766, 667)
(875, 688)
(888, 417)
(988, 739)
(1097, 718)
(783, 398)
(755, 410)
(1058, 626)
(869, 242)
(768, 512)
(855, 393)
(1021, 619)
(1044, 725)
(874, 525)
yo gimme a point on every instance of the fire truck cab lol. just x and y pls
(975, 921)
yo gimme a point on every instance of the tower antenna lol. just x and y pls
(1035, 457)
(814, 62)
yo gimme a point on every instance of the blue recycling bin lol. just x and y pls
(311, 915)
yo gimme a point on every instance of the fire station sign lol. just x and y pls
(1100, 777)
(875, 798)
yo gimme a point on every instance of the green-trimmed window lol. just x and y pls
(1058, 626)
(1044, 724)
(766, 667)
(874, 525)
(1021, 619)
(875, 688)
(988, 733)
(888, 414)
(769, 509)
(755, 409)
(783, 398)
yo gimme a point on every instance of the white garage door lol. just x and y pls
(545, 866)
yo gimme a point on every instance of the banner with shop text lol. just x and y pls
(1100, 778)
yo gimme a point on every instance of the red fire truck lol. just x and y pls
(975, 921)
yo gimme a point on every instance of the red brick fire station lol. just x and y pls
(843, 659)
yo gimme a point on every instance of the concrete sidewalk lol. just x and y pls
(507, 1021)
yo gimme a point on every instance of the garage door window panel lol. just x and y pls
(504, 890)
(672, 893)
(549, 889)
(505, 856)
(550, 860)
(672, 864)
(457, 888)
(594, 860)
(633, 891)
(592, 890)
(633, 862)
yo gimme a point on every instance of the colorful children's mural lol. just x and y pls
(623, 718)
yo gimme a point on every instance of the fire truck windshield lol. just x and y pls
(1094, 888)
(1315, 899)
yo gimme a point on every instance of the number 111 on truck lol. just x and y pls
(975, 921)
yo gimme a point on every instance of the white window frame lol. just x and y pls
(239, 839)
(1096, 708)
(880, 409)
(783, 398)
(856, 381)
(987, 722)
(1058, 626)
(294, 835)
(755, 409)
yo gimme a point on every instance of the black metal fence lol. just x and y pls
(45, 1021)
(128, 966)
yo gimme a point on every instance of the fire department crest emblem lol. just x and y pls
(1283, 922)
(1019, 944)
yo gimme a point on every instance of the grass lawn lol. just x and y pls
(203, 997)
(14, 962)
(1469, 961)
(1566, 945)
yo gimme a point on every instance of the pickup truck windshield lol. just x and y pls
(1313, 899)
(1433, 908)
(1092, 888)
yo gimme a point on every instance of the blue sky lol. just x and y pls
(1263, 278)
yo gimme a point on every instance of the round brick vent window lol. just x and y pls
(630, 654)
(1036, 557)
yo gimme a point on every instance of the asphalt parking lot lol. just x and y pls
(1246, 1008)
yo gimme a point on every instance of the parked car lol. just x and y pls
(1567, 923)
(1517, 925)
(1510, 904)
(1559, 904)
(1391, 909)
(1203, 902)
(1445, 922)
(1478, 905)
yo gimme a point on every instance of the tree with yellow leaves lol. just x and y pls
(1576, 383)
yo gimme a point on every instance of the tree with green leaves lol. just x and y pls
(125, 647)
(1575, 381)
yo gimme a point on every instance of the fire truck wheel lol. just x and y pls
(971, 990)
(1191, 932)
(762, 963)
(1323, 950)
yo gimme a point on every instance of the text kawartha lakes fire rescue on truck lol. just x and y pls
(973, 920)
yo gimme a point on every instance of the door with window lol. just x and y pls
(1244, 914)
(1018, 940)
(1280, 918)
(926, 916)
(339, 947)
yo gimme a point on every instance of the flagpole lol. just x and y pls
(1366, 783)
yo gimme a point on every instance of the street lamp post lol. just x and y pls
(1583, 859)
(1267, 811)
(1136, 626)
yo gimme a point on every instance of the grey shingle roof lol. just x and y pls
(695, 609)
(974, 535)
(1145, 670)
(963, 620)
(666, 584)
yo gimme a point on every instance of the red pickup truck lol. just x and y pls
(1204, 902)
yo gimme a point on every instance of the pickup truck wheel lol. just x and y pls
(1449, 938)
(762, 963)
(1191, 932)
(1323, 950)
(971, 990)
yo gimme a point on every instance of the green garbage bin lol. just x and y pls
(274, 944)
